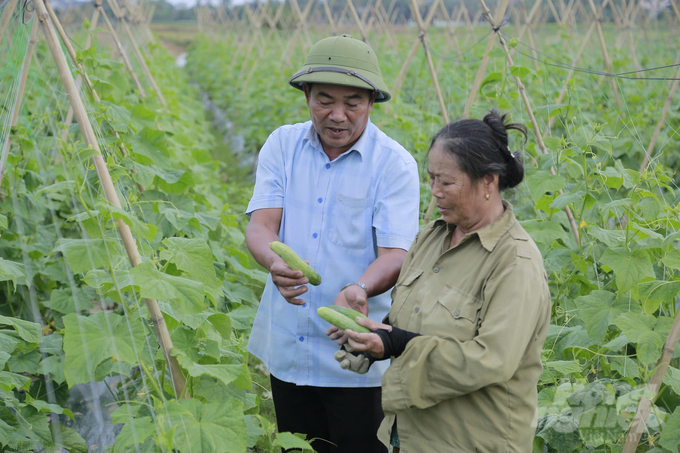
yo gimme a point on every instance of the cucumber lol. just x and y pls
(339, 320)
(351, 314)
(295, 262)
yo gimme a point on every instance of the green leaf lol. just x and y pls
(672, 259)
(670, 435)
(63, 301)
(134, 432)
(563, 200)
(83, 255)
(225, 373)
(28, 331)
(214, 427)
(672, 379)
(629, 267)
(290, 440)
(652, 293)
(598, 310)
(138, 228)
(491, 79)
(3, 221)
(545, 231)
(647, 332)
(90, 340)
(192, 256)
(542, 182)
(521, 72)
(25, 362)
(185, 295)
(9, 270)
(565, 367)
(613, 238)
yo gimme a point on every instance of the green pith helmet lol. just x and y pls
(342, 60)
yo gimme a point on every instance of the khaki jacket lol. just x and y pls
(468, 384)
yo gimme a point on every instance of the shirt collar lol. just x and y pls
(491, 234)
(359, 146)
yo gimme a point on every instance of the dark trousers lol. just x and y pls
(338, 419)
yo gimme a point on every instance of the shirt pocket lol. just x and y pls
(454, 315)
(348, 222)
(402, 290)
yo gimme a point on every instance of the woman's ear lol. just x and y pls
(491, 183)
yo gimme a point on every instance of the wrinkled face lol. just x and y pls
(460, 201)
(339, 114)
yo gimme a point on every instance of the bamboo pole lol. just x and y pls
(140, 57)
(16, 108)
(412, 52)
(357, 21)
(6, 16)
(482, 66)
(527, 105)
(563, 91)
(430, 64)
(120, 48)
(79, 79)
(605, 53)
(662, 120)
(109, 190)
(329, 16)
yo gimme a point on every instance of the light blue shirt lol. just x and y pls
(335, 215)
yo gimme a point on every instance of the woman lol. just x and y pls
(470, 310)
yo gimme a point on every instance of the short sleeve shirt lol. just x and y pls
(335, 215)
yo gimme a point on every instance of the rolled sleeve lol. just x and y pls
(396, 210)
(269, 180)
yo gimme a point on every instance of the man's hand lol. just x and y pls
(353, 297)
(289, 282)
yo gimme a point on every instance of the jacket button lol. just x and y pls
(456, 313)
(417, 309)
(436, 269)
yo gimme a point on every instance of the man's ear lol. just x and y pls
(308, 90)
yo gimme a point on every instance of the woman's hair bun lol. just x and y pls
(514, 169)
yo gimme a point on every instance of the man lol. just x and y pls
(345, 197)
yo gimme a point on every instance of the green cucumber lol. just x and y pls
(351, 314)
(295, 262)
(339, 320)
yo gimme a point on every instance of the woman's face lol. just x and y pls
(460, 201)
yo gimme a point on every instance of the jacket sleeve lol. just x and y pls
(434, 369)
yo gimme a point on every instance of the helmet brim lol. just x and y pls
(345, 79)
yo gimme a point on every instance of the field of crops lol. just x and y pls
(126, 300)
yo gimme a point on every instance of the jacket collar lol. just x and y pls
(492, 233)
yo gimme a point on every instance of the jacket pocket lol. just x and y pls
(349, 224)
(455, 315)
(402, 290)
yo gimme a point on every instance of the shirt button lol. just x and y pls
(305, 304)
(302, 338)
(328, 165)
(436, 269)
(417, 309)
(320, 200)
(315, 235)
(456, 313)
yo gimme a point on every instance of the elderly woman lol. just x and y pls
(470, 310)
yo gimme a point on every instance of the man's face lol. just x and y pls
(339, 114)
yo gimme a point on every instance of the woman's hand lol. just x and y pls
(367, 342)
